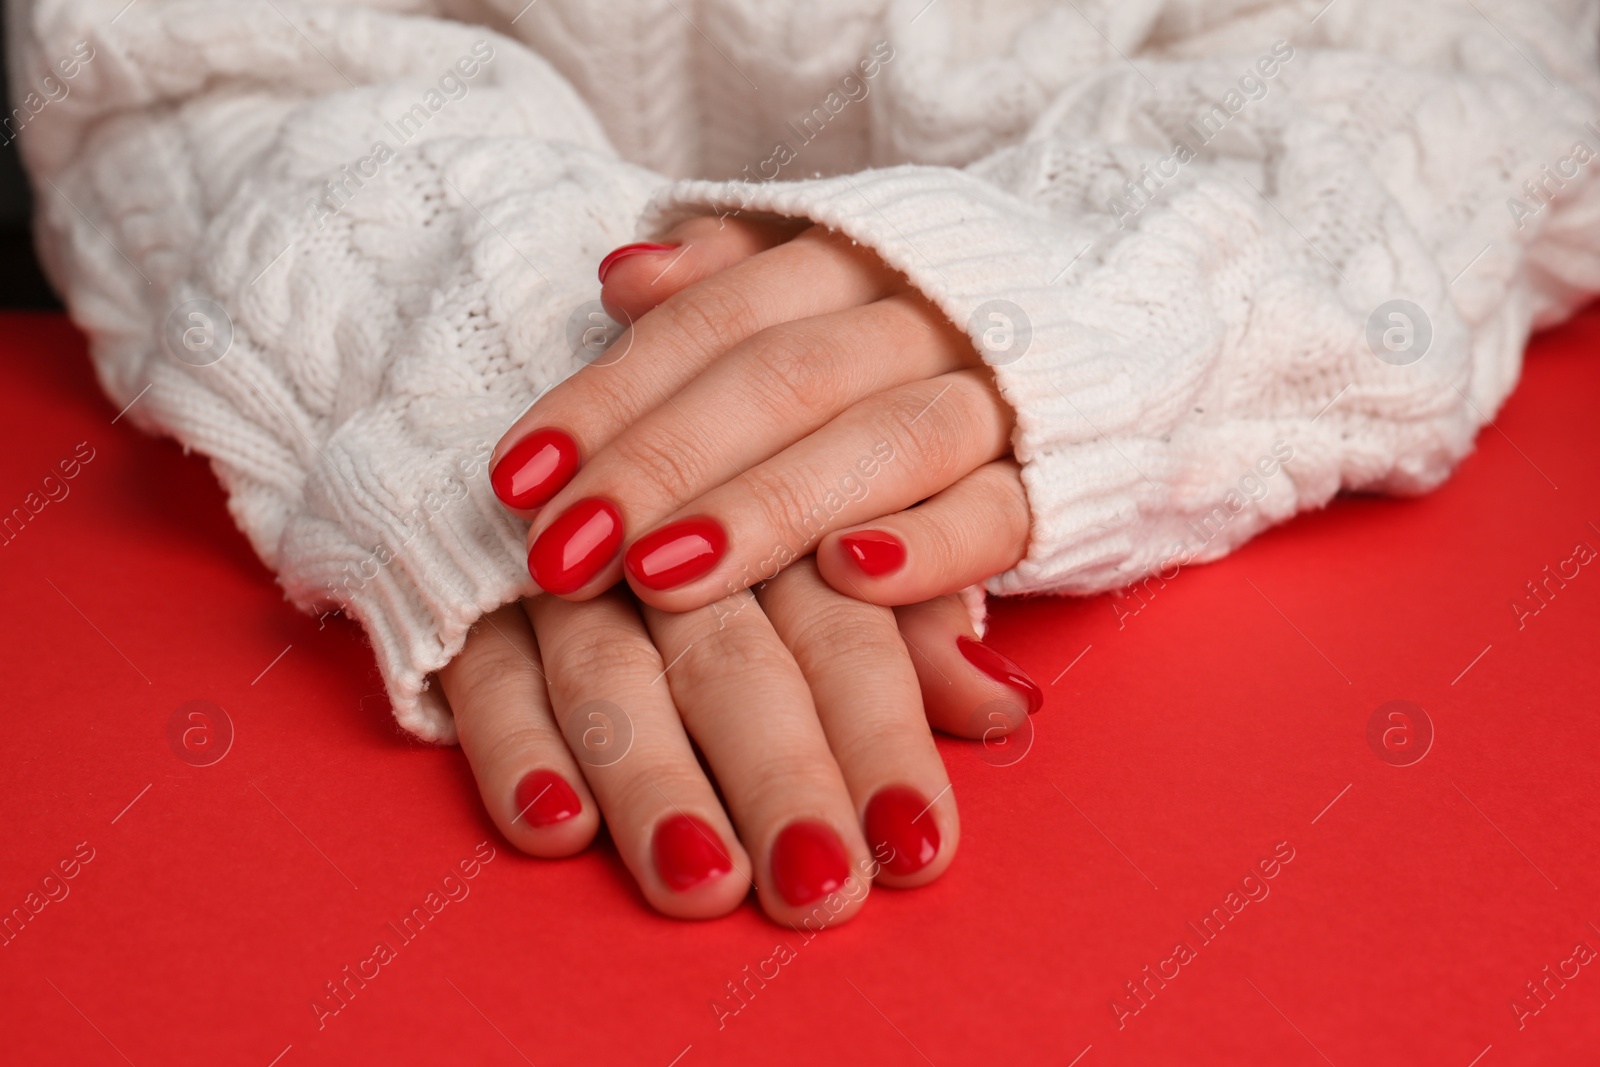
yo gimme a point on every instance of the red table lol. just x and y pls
(1223, 724)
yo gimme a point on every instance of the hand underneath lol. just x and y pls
(808, 707)
(780, 391)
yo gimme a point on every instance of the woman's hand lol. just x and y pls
(812, 710)
(773, 389)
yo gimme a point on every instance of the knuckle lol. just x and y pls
(741, 658)
(842, 637)
(870, 740)
(944, 544)
(663, 459)
(932, 426)
(787, 782)
(517, 744)
(793, 504)
(648, 789)
(604, 394)
(712, 315)
(793, 371)
(1016, 517)
(986, 514)
(590, 663)
(494, 672)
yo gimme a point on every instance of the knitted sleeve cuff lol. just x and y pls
(1175, 386)
(1001, 267)
(400, 529)
(351, 417)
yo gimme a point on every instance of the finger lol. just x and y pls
(867, 698)
(969, 689)
(745, 702)
(665, 349)
(637, 277)
(528, 779)
(971, 531)
(884, 454)
(616, 712)
(763, 396)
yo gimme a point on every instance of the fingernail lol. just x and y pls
(577, 546)
(535, 469)
(688, 852)
(677, 553)
(544, 798)
(876, 553)
(808, 862)
(899, 823)
(616, 255)
(1001, 669)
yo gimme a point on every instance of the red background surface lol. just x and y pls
(1178, 750)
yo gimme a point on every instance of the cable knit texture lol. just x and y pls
(1173, 226)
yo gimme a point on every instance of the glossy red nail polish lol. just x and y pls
(901, 830)
(677, 553)
(1001, 669)
(808, 862)
(688, 852)
(875, 552)
(544, 798)
(535, 469)
(577, 546)
(616, 255)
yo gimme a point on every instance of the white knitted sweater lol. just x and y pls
(391, 213)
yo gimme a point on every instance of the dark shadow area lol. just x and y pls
(22, 285)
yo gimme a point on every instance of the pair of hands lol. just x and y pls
(784, 413)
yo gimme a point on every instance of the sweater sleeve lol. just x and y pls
(337, 250)
(1234, 267)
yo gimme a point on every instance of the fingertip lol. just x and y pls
(711, 901)
(817, 876)
(636, 277)
(533, 468)
(627, 252)
(575, 557)
(1002, 669)
(672, 567)
(875, 553)
(549, 817)
(867, 563)
(968, 689)
(833, 908)
(913, 839)
(695, 872)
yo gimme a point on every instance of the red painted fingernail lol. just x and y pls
(575, 547)
(875, 552)
(808, 862)
(544, 798)
(677, 553)
(616, 255)
(688, 852)
(1001, 669)
(898, 817)
(535, 469)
